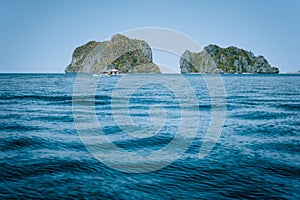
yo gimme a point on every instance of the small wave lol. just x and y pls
(261, 115)
(266, 130)
(47, 166)
(37, 97)
(289, 106)
(54, 118)
(20, 142)
(152, 143)
(20, 127)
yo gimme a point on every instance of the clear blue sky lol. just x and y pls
(40, 35)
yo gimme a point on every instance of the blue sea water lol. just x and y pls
(257, 155)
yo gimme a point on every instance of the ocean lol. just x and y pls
(44, 153)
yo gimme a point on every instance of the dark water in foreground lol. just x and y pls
(257, 156)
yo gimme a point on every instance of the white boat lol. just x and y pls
(113, 72)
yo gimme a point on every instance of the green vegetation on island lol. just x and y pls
(214, 59)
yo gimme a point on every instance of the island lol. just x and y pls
(120, 53)
(214, 59)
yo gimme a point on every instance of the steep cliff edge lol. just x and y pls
(121, 52)
(214, 59)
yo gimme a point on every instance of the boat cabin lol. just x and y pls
(113, 72)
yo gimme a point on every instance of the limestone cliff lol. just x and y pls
(214, 59)
(121, 52)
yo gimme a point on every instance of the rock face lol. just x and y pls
(214, 59)
(122, 53)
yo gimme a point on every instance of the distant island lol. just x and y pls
(214, 59)
(121, 53)
(293, 72)
(135, 56)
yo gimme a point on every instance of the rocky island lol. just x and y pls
(121, 53)
(214, 59)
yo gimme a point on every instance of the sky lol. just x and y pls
(39, 36)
